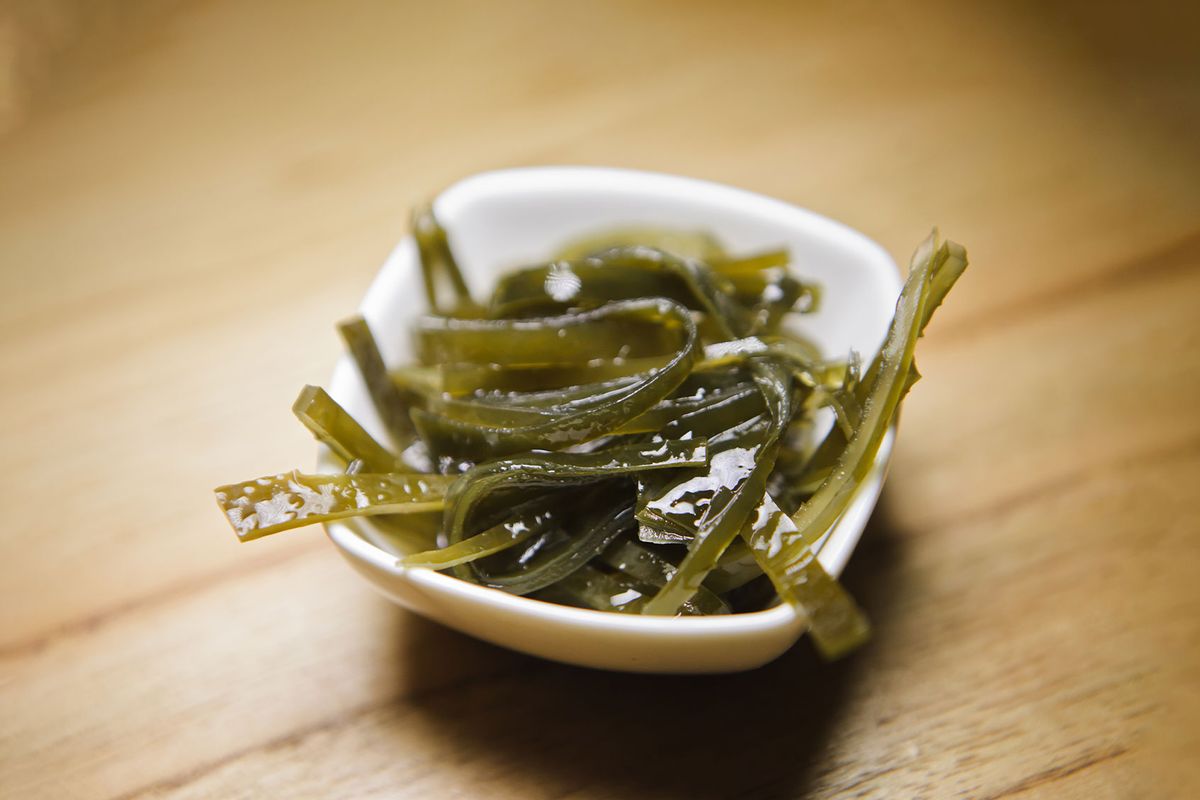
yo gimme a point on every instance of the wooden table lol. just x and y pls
(190, 197)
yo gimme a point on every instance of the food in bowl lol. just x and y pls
(631, 426)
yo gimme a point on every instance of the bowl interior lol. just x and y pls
(504, 219)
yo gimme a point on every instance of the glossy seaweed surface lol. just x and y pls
(629, 427)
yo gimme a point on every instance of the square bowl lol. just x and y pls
(515, 217)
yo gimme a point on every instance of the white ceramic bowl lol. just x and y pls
(499, 220)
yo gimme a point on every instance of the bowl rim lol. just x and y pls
(544, 179)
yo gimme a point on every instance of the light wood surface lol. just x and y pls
(191, 197)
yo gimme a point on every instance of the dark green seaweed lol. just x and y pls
(630, 427)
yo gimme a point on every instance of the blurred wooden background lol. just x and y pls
(191, 193)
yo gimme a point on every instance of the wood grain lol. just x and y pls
(186, 211)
